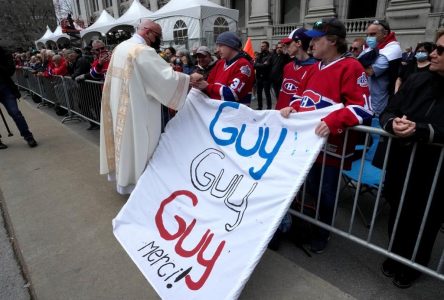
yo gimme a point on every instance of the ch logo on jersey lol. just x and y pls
(310, 99)
(289, 86)
(362, 80)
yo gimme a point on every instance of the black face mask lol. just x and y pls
(156, 44)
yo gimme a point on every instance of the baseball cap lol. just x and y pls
(296, 35)
(203, 50)
(286, 40)
(329, 26)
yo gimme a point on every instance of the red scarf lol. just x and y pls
(388, 39)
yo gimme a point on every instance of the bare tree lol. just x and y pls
(63, 8)
(24, 21)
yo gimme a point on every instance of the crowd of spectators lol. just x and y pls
(368, 78)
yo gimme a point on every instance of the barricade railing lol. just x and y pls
(80, 99)
(343, 220)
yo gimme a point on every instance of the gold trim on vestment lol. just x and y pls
(113, 138)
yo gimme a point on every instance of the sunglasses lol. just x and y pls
(354, 48)
(319, 25)
(439, 49)
(382, 23)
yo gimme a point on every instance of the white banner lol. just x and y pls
(213, 194)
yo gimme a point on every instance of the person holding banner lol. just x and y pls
(138, 81)
(232, 77)
(337, 78)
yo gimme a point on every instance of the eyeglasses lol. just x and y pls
(439, 49)
(354, 48)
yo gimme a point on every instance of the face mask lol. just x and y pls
(156, 44)
(371, 41)
(421, 56)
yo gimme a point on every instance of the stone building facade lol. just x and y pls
(412, 20)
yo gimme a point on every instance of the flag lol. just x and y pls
(248, 48)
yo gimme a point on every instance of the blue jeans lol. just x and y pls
(328, 193)
(9, 101)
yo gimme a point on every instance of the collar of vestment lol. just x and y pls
(139, 39)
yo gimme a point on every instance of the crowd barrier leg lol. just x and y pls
(70, 117)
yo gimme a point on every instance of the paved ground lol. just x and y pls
(64, 232)
(61, 212)
(12, 283)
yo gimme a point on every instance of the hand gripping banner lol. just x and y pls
(213, 194)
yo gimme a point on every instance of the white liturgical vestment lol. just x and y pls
(137, 82)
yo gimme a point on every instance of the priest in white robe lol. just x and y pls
(137, 82)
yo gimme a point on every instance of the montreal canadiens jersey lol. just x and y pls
(232, 82)
(293, 73)
(342, 81)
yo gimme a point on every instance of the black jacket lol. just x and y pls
(421, 99)
(277, 63)
(81, 66)
(262, 66)
(7, 69)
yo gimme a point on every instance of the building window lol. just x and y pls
(291, 11)
(79, 12)
(180, 32)
(220, 25)
(108, 3)
(240, 6)
(95, 5)
(362, 9)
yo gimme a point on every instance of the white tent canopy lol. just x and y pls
(133, 15)
(199, 17)
(103, 24)
(58, 34)
(47, 36)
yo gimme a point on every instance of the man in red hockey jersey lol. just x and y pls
(294, 71)
(232, 77)
(337, 78)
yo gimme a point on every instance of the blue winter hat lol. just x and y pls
(229, 39)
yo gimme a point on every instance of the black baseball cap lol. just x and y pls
(330, 26)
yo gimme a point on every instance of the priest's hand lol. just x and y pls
(200, 85)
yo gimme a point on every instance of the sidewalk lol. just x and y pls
(61, 211)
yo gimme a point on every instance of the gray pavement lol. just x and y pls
(12, 283)
(61, 210)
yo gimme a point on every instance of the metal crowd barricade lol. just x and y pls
(87, 98)
(21, 76)
(345, 227)
(81, 100)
